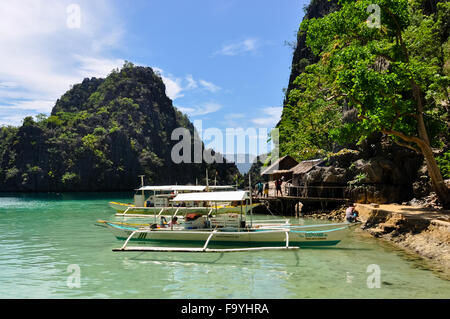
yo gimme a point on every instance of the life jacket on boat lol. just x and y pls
(192, 216)
(163, 223)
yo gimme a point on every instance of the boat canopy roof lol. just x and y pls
(183, 188)
(191, 188)
(221, 187)
(229, 196)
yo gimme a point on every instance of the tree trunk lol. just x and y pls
(437, 181)
(424, 143)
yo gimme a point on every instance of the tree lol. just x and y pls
(390, 68)
(309, 116)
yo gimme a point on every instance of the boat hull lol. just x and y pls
(253, 238)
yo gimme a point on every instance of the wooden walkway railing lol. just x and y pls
(304, 191)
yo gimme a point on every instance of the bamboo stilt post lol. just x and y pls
(126, 210)
(287, 239)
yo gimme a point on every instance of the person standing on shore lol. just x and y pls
(260, 189)
(278, 183)
(266, 190)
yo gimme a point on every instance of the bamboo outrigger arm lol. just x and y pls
(203, 249)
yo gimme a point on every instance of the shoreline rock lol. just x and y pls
(417, 229)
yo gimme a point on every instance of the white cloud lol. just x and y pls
(203, 109)
(271, 118)
(234, 119)
(173, 87)
(13, 120)
(173, 84)
(8, 84)
(42, 106)
(249, 45)
(192, 84)
(44, 56)
(41, 56)
(209, 86)
(176, 87)
(95, 67)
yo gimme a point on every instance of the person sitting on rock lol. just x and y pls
(351, 214)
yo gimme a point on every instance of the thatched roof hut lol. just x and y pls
(281, 167)
(302, 168)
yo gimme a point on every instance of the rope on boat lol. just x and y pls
(266, 203)
(317, 231)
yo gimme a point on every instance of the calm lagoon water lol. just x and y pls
(41, 236)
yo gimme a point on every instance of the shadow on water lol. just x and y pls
(142, 257)
(336, 248)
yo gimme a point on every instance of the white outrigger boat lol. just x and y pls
(160, 202)
(230, 230)
(158, 199)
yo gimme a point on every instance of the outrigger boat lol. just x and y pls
(160, 204)
(231, 230)
(149, 204)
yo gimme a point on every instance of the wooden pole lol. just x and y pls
(251, 201)
(142, 183)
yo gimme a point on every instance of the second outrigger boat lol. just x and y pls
(159, 197)
(231, 230)
(158, 202)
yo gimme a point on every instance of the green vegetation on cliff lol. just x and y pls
(367, 78)
(101, 135)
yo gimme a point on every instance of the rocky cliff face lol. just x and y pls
(303, 56)
(377, 170)
(100, 136)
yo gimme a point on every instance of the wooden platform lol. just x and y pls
(288, 205)
(300, 199)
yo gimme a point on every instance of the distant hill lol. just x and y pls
(101, 135)
(242, 161)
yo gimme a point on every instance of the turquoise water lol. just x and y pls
(46, 239)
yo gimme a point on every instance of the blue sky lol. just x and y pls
(223, 62)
